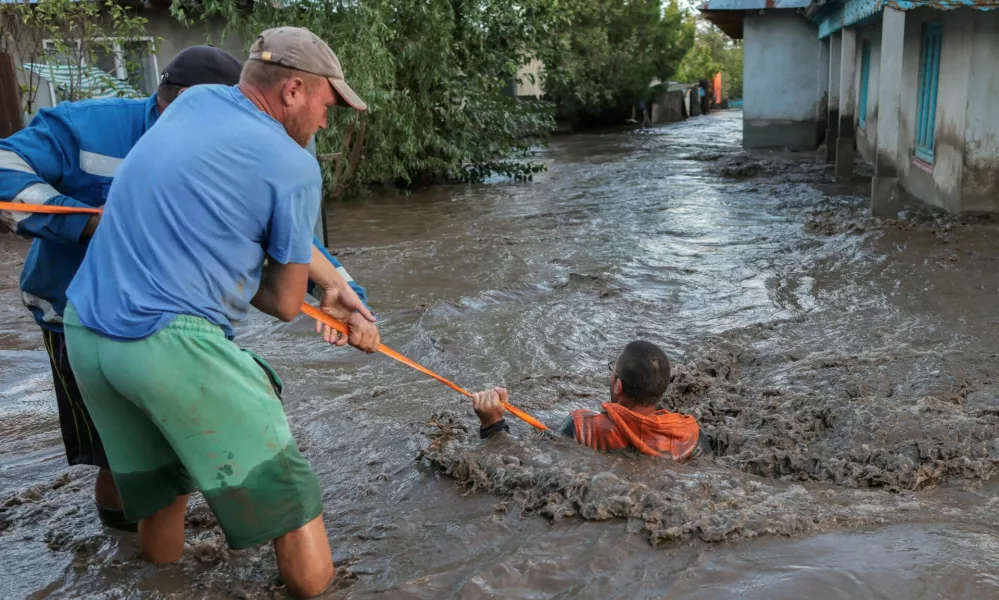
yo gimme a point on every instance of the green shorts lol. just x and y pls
(186, 409)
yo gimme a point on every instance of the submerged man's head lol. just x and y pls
(640, 375)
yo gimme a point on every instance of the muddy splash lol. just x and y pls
(838, 415)
(663, 503)
(819, 416)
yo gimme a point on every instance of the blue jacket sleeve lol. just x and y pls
(32, 162)
(359, 290)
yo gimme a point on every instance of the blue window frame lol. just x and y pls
(865, 80)
(929, 77)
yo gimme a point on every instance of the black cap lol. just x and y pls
(202, 64)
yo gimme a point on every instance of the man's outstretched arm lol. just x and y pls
(338, 299)
(488, 407)
(31, 162)
(314, 288)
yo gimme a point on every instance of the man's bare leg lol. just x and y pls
(109, 507)
(304, 559)
(105, 491)
(161, 536)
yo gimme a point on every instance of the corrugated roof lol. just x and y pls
(712, 5)
(91, 81)
(833, 15)
(727, 14)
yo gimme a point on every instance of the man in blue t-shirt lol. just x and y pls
(68, 156)
(212, 212)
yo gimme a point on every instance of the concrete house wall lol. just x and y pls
(174, 36)
(803, 69)
(867, 135)
(939, 184)
(780, 80)
(980, 178)
(964, 174)
(524, 85)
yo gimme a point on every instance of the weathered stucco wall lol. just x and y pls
(780, 81)
(867, 134)
(174, 36)
(528, 79)
(980, 178)
(907, 114)
(938, 184)
(952, 105)
(822, 91)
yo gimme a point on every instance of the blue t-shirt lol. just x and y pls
(208, 191)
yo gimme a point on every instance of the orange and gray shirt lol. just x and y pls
(615, 428)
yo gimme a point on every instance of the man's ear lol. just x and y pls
(292, 88)
(617, 388)
(181, 91)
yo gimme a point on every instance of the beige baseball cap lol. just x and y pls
(298, 48)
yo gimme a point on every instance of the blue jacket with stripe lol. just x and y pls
(68, 156)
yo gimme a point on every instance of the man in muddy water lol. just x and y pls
(221, 185)
(639, 379)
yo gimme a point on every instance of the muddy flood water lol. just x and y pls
(843, 368)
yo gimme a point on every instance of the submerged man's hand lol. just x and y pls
(488, 405)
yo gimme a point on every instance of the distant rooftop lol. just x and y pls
(727, 14)
(753, 4)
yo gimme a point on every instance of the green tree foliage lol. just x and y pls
(714, 52)
(436, 73)
(433, 74)
(607, 53)
(698, 64)
(732, 69)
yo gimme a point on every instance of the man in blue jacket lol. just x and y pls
(68, 156)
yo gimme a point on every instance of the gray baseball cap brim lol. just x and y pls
(349, 95)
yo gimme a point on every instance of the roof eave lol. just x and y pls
(729, 21)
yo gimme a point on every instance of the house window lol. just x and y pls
(118, 67)
(865, 80)
(929, 76)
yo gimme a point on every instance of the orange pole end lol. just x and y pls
(49, 209)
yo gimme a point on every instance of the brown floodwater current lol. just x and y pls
(843, 369)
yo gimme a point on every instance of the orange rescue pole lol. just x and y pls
(49, 209)
(306, 308)
(315, 313)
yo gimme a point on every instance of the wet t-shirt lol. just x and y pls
(196, 205)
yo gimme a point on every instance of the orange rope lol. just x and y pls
(306, 308)
(315, 313)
